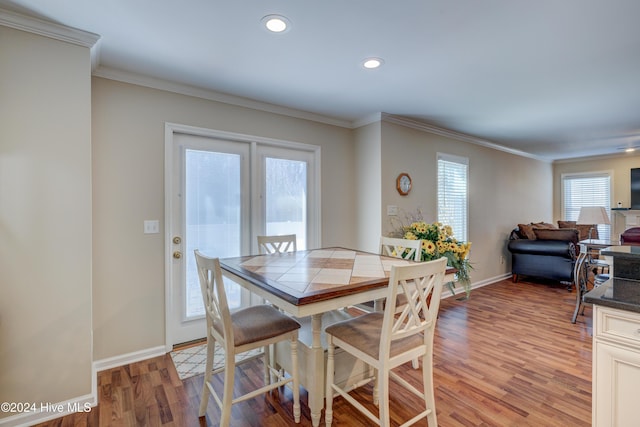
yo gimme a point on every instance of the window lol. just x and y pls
(588, 189)
(453, 193)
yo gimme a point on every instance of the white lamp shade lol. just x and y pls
(593, 215)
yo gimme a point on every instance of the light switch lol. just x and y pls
(392, 210)
(151, 226)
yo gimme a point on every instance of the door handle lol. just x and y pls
(177, 254)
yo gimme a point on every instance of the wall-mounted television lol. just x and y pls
(635, 188)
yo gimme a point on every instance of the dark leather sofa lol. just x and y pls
(544, 250)
(549, 259)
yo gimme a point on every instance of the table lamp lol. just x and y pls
(593, 215)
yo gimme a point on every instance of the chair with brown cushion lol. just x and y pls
(277, 244)
(630, 236)
(246, 329)
(386, 340)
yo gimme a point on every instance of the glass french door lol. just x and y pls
(222, 194)
(210, 213)
(283, 179)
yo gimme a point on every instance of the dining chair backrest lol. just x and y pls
(215, 299)
(277, 244)
(401, 248)
(397, 248)
(421, 285)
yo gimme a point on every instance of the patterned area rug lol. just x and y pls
(191, 361)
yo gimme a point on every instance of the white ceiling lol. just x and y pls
(553, 78)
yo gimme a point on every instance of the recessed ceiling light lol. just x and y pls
(629, 149)
(276, 23)
(372, 63)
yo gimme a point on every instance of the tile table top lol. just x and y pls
(308, 276)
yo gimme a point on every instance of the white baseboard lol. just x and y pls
(41, 412)
(125, 359)
(491, 280)
(446, 293)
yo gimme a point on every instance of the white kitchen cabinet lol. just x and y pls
(616, 368)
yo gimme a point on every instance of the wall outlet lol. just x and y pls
(501, 259)
(151, 226)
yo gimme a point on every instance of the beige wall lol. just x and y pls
(368, 169)
(45, 219)
(504, 190)
(619, 166)
(128, 173)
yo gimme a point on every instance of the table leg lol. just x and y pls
(580, 278)
(316, 390)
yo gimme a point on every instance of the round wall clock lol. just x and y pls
(403, 183)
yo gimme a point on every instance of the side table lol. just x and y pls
(581, 268)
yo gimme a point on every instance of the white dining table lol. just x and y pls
(313, 285)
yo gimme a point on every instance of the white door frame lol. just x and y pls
(314, 231)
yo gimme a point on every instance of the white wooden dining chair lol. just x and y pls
(277, 244)
(405, 249)
(397, 248)
(250, 328)
(386, 340)
(401, 248)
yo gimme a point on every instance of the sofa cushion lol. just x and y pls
(526, 231)
(542, 224)
(566, 224)
(564, 234)
(583, 229)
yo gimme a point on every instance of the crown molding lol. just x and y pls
(47, 29)
(419, 125)
(372, 118)
(53, 31)
(597, 157)
(183, 89)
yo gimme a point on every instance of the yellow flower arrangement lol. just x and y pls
(438, 241)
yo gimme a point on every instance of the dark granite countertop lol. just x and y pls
(623, 290)
(629, 252)
(625, 300)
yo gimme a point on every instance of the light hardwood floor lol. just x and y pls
(509, 356)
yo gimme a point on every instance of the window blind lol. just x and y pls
(593, 189)
(453, 193)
